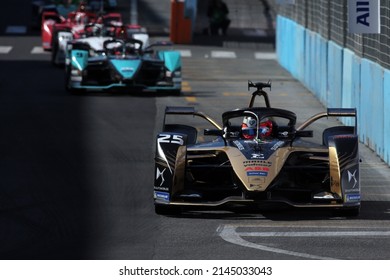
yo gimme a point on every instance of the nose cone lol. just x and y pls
(127, 68)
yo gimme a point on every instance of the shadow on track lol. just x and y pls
(370, 210)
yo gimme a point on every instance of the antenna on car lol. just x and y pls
(259, 92)
(260, 85)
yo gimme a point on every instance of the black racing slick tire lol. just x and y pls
(67, 79)
(176, 92)
(347, 212)
(166, 210)
(68, 86)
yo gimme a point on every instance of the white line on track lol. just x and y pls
(316, 234)
(265, 55)
(185, 53)
(223, 54)
(229, 234)
(38, 50)
(5, 49)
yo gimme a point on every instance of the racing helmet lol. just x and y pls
(249, 128)
(96, 29)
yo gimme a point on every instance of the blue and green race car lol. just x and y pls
(122, 64)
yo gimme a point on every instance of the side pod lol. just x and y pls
(169, 165)
(172, 60)
(344, 168)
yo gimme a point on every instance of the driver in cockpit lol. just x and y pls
(249, 128)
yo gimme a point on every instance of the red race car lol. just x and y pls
(54, 22)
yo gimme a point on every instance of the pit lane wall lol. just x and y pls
(339, 78)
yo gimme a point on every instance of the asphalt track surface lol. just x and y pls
(76, 172)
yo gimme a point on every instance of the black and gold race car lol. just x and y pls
(258, 155)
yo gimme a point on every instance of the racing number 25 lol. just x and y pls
(171, 138)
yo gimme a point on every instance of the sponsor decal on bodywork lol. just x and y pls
(256, 168)
(160, 174)
(256, 181)
(168, 139)
(277, 145)
(257, 156)
(238, 145)
(256, 173)
(352, 178)
(127, 69)
(257, 163)
(161, 196)
(352, 197)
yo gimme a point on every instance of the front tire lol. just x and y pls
(166, 210)
(68, 83)
(347, 212)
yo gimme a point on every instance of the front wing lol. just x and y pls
(86, 73)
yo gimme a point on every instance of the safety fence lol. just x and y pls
(341, 69)
(330, 20)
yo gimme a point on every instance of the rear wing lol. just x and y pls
(176, 110)
(331, 112)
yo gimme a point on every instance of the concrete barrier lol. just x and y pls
(299, 50)
(386, 116)
(371, 106)
(335, 74)
(339, 78)
(289, 51)
(307, 69)
(351, 83)
(322, 66)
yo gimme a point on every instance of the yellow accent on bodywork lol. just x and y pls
(334, 171)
